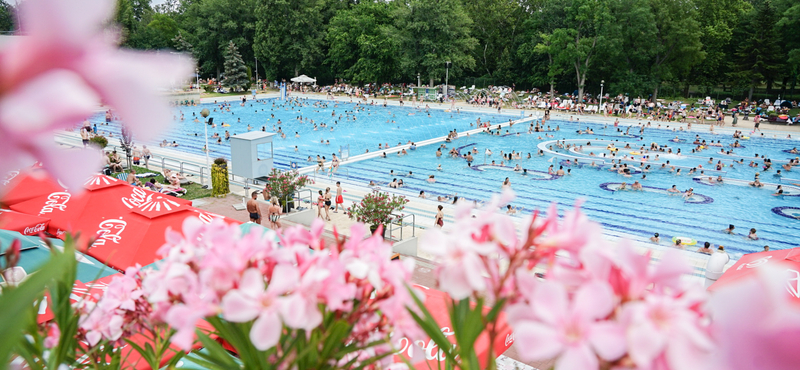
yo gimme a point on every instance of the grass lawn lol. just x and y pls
(193, 190)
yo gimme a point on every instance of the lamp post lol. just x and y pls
(419, 82)
(446, 79)
(205, 114)
(197, 76)
(601, 95)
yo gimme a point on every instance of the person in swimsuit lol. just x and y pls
(339, 197)
(274, 212)
(321, 205)
(253, 209)
(328, 202)
(439, 220)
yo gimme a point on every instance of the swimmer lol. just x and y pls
(673, 189)
(655, 238)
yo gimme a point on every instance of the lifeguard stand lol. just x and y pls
(245, 158)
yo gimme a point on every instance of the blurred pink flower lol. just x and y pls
(183, 318)
(252, 301)
(53, 335)
(122, 293)
(98, 323)
(666, 332)
(757, 320)
(574, 232)
(570, 330)
(55, 76)
(461, 270)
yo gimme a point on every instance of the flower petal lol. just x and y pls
(536, 342)
(266, 331)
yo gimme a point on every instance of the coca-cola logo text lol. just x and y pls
(137, 198)
(57, 200)
(509, 339)
(10, 176)
(33, 230)
(110, 230)
(431, 349)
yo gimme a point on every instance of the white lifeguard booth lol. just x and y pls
(252, 154)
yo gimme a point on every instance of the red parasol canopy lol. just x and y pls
(26, 185)
(436, 302)
(106, 195)
(749, 263)
(23, 223)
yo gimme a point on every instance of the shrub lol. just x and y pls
(100, 141)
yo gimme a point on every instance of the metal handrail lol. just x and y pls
(399, 221)
(182, 166)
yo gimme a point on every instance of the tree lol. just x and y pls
(235, 71)
(181, 44)
(538, 50)
(576, 44)
(501, 23)
(290, 36)
(758, 57)
(435, 32)
(664, 36)
(210, 25)
(362, 43)
(7, 13)
(789, 28)
(717, 18)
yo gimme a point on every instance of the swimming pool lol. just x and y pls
(360, 126)
(701, 217)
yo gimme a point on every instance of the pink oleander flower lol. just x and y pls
(98, 323)
(56, 74)
(252, 301)
(461, 270)
(572, 233)
(756, 320)
(574, 330)
(122, 292)
(666, 332)
(53, 335)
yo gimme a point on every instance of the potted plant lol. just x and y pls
(376, 209)
(99, 141)
(219, 178)
(283, 184)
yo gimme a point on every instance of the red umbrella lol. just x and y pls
(106, 196)
(749, 264)
(130, 238)
(436, 302)
(28, 185)
(23, 223)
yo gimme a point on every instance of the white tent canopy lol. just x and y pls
(304, 79)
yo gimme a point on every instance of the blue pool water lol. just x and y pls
(702, 217)
(361, 127)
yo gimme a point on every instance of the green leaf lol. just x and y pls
(17, 303)
(217, 354)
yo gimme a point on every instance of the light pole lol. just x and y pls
(446, 79)
(601, 95)
(419, 82)
(197, 76)
(205, 114)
